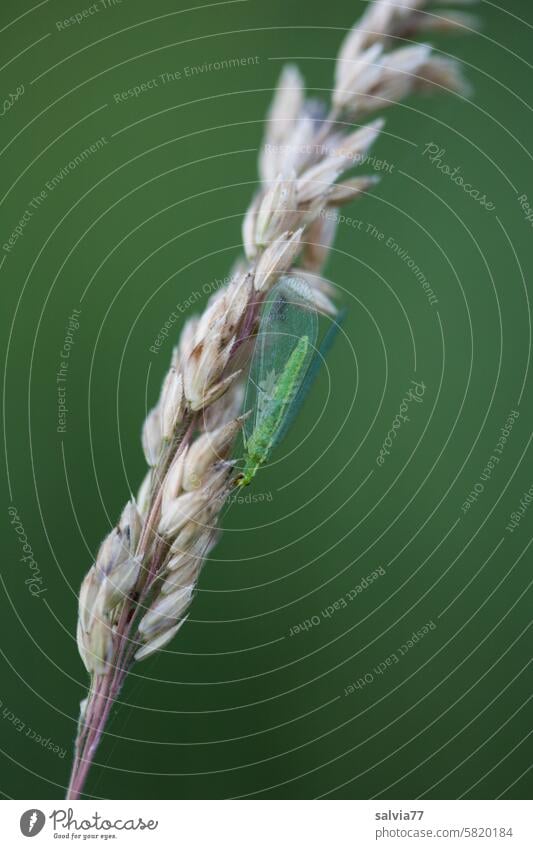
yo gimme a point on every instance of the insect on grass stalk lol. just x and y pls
(136, 595)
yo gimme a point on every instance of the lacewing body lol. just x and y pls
(284, 364)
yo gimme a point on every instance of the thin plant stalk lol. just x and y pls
(137, 594)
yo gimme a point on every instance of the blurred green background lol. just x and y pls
(149, 223)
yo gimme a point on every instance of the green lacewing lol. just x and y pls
(284, 365)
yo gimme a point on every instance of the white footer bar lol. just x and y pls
(268, 824)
